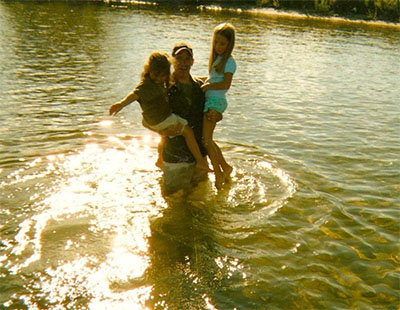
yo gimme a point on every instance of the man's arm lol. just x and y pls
(225, 84)
(172, 130)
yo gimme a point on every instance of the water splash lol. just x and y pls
(89, 227)
(87, 230)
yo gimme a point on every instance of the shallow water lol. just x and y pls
(310, 220)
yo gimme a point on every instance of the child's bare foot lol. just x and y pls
(227, 173)
(203, 165)
(160, 163)
(219, 180)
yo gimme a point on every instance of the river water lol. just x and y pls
(310, 220)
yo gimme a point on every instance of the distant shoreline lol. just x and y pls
(368, 10)
(351, 10)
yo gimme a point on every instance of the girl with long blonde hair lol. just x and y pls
(221, 68)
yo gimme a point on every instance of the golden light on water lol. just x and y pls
(89, 236)
(51, 157)
(89, 228)
(92, 225)
(106, 123)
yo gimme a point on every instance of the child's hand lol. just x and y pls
(115, 108)
(205, 87)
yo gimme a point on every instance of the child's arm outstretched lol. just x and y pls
(116, 107)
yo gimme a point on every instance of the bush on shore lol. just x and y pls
(388, 10)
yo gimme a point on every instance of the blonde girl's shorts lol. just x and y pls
(215, 103)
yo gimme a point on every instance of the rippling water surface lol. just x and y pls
(310, 220)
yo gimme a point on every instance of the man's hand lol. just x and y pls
(205, 87)
(213, 116)
(173, 130)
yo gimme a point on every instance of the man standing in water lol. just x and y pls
(187, 100)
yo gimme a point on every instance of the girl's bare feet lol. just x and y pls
(219, 180)
(227, 173)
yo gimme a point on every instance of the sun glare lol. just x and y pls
(92, 224)
(105, 123)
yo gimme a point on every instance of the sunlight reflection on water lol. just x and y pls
(96, 216)
(88, 238)
(310, 220)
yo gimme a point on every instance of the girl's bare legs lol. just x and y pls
(227, 169)
(213, 151)
(191, 142)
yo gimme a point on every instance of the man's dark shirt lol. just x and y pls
(175, 149)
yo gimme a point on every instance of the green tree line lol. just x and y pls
(388, 10)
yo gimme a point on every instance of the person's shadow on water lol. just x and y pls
(183, 250)
(183, 271)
